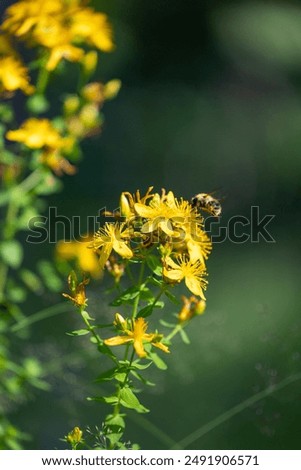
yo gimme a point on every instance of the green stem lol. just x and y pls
(137, 299)
(30, 182)
(222, 418)
(41, 315)
(42, 80)
(175, 331)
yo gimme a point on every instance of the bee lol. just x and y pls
(207, 203)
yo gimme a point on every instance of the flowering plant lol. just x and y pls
(156, 242)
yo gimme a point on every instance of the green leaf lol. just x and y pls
(31, 280)
(139, 366)
(120, 376)
(115, 420)
(11, 252)
(112, 400)
(16, 293)
(129, 400)
(166, 324)
(142, 379)
(172, 297)
(86, 315)
(159, 363)
(49, 276)
(159, 304)
(184, 337)
(107, 375)
(78, 332)
(145, 311)
(127, 296)
(154, 264)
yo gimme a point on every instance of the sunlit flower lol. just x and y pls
(61, 26)
(137, 335)
(78, 290)
(63, 51)
(112, 237)
(86, 259)
(38, 133)
(192, 272)
(14, 76)
(128, 201)
(92, 27)
(158, 215)
(166, 213)
(23, 16)
(191, 306)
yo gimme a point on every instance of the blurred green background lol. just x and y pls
(211, 99)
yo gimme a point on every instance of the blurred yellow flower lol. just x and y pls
(137, 335)
(14, 76)
(92, 27)
(78, 292)
(57, 163)
(192, 272)
(23, 16)
(75, 436)
(87, 260)
(191, 307)
(61, 26)
(112, 237)
(38, 133)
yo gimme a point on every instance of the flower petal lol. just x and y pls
(138, 345)
(162, 347)
(194, 286)
(122, 249)
(117, 340)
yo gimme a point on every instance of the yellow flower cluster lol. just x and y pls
(60, 26)
(135, 332)
(163, 220)
(13, 74)
(41, 134)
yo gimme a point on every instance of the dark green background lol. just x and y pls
(211, 99)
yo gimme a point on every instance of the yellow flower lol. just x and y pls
(60, 26)
(128, 201)
(159, 216)
(166, 213)
(92, 27)
(64, 51)
(57, 163)
(23, 16)
(87, 260)
(78, 290)
(192, 272)
(194, 240)
(137, 335)
(14, 76)
(112, 237)
(38, 133)
(191, 307)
